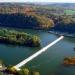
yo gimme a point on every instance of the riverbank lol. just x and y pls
(59, 33)
(9, 71)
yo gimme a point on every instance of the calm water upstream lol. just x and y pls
(50, 62)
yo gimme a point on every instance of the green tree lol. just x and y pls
(35, 73)
(24, 72)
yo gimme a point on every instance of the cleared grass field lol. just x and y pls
(69, 12)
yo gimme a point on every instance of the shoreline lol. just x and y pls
(59, 33)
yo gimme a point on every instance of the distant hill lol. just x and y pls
(63, 5)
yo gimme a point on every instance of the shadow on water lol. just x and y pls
(13, 46)
(70, 39)
(65, 70)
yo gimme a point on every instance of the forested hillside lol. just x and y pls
(37, 17)
(67, 24)
(25, 21)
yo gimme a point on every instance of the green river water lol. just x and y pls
(49, 62)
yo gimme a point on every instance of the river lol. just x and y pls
(48, 63)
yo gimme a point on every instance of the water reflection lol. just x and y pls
(70, 39)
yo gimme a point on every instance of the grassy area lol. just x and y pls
(69, 12)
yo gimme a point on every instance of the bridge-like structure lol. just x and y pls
(22, 63)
